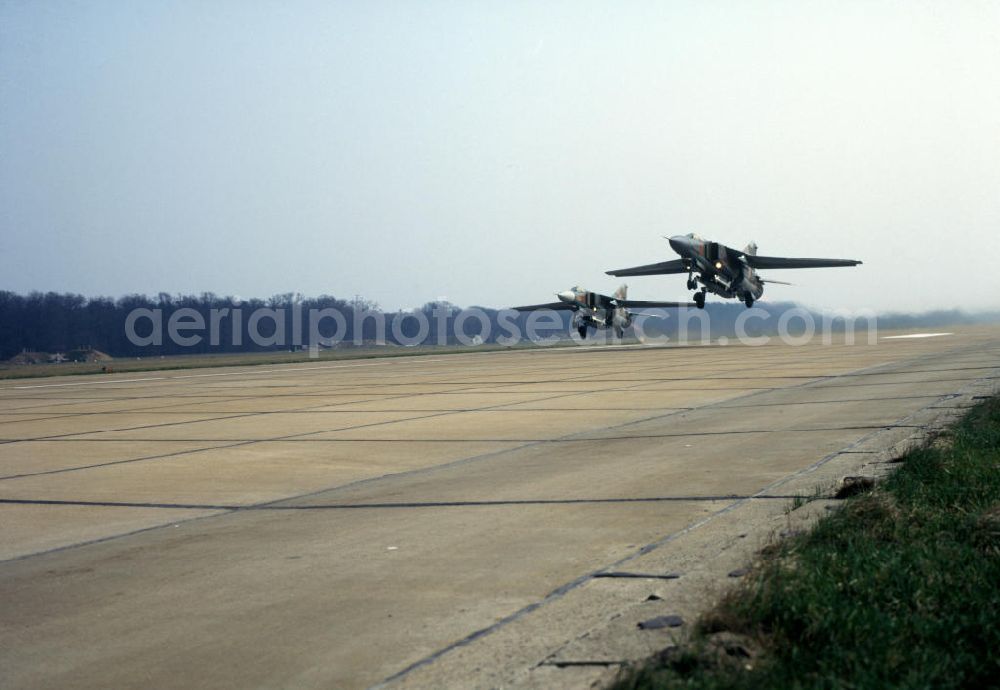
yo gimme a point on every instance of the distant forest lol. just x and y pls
(54, 323)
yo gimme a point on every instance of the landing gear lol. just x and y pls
(748, 300)
(692, 283)
(699, 299)
(620, 332)
(582, 330)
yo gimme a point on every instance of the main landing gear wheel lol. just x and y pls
(748, 300)
(692, 284)
(582, 330)
(699, 299)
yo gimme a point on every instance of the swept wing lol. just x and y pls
(661, 268)
(640, 304)
(549, 305)
(769, 262)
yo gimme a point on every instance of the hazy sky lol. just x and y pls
(495, 152)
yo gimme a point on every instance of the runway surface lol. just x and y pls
(410, 521)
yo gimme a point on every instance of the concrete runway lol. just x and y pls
(422, 522)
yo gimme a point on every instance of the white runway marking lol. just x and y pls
(914, 335)
(86, 383)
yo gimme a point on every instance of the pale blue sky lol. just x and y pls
(496, 152)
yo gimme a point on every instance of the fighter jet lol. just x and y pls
(592, 309)
(722, 270)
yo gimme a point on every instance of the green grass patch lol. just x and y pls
(900, 588)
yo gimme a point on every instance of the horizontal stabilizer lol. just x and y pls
(768, 262)
(662, 268)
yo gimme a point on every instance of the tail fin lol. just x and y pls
(751, 249)
(621, 292)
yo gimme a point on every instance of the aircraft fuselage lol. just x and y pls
(720, 269)
(595, 310)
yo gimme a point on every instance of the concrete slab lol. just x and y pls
(424, 522)
(240, 475)
(250, 426)
(43, 457)
(91, 424)
(36, 528)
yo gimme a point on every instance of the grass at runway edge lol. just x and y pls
(900, 588)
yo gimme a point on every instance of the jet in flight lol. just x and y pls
(592, 309)
(727, 272)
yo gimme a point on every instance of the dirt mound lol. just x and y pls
(29, 358)
(88, 355)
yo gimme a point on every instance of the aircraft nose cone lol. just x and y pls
(678, 243)
(566, 296)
